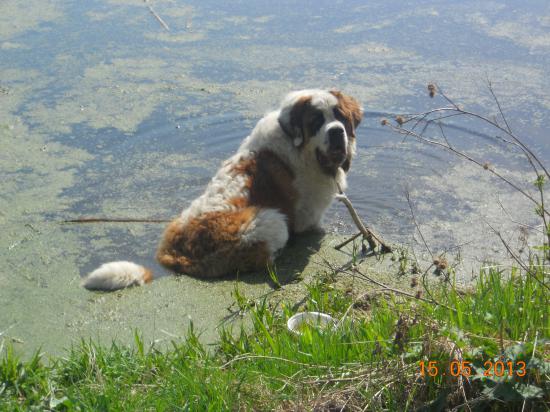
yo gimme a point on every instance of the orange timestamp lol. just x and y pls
(463, 368)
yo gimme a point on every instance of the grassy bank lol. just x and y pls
(371, 361)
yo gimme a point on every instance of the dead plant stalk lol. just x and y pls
(435, 116)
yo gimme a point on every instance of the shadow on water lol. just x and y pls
(291, 260)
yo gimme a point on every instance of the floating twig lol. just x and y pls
(159, 19)
(110, 220)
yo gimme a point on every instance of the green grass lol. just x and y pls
(370, 360)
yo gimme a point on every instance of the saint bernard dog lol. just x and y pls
(279, 183)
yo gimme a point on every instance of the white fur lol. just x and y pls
(268, 226)
(115, 275)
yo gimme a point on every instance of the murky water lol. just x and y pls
(103, 112)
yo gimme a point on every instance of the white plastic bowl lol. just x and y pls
(314, 319)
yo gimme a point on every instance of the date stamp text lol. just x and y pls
(463, 368)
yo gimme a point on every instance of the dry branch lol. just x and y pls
(435, 116)
(367, 233)
(401, 292)
(345, 242)
(352, 270)
(459, 153)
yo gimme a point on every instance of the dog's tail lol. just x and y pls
(117, 275)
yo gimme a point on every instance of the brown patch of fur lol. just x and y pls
(272, 185)
(244, 167)
(297, 114)
(269, 183)
(239, 202)
(302, 118)
(210, 245)
(350, 110)
(167, 252)
(147, 275)
(205, 234)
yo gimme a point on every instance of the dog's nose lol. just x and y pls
(336, 139)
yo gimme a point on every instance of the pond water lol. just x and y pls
(105, 112)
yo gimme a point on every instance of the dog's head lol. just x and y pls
(322, 124)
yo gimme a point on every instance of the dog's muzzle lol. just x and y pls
(336, 153)
(336, 145)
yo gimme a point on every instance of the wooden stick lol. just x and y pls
(108, 220)
(159, 19)
(345, 242)
(366, 232)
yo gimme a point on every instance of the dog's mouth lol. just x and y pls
(330, 161)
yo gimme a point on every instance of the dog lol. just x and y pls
(279, 183)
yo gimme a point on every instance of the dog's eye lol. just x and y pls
(338, 115)
(316, 122)
(345, 121)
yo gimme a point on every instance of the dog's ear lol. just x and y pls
(292, 116)
(349, 108)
